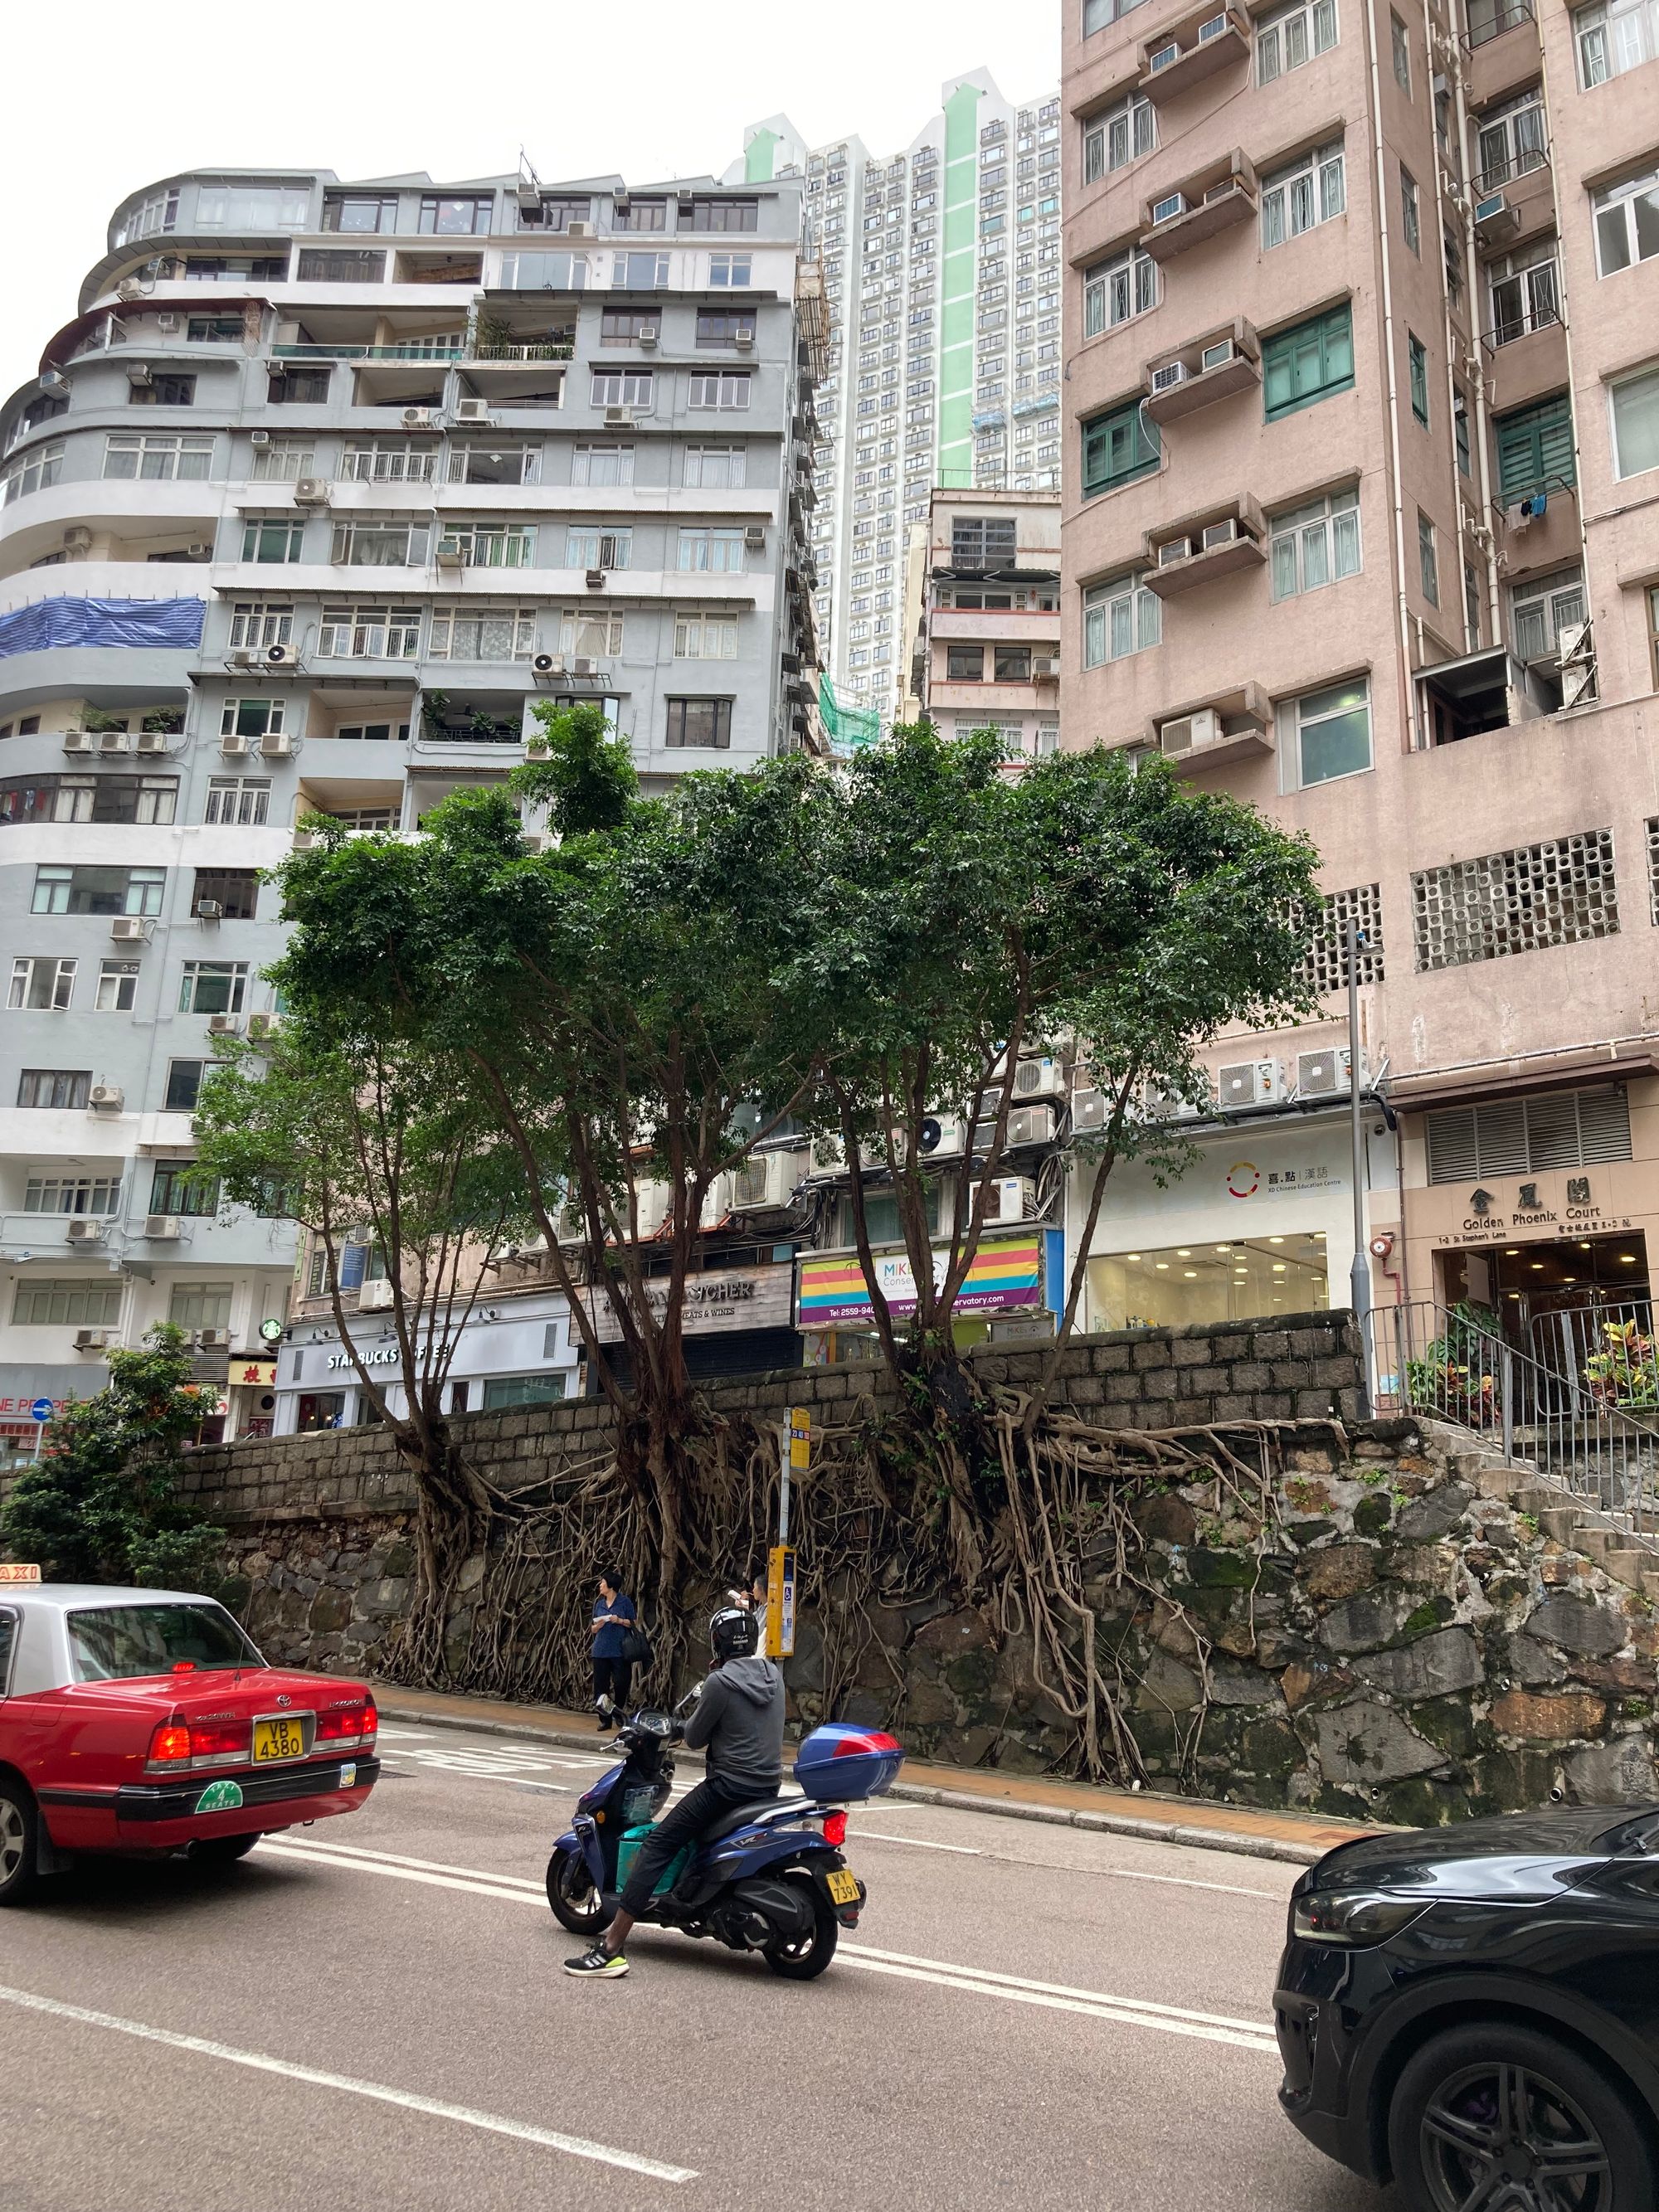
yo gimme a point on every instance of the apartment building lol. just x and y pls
(321, 491)
(982, 617)
(1361, 523)
(942, 273)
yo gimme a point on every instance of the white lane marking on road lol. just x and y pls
(1180, 1881)
(916, 1842)
(379, 2091)
(977, 1981)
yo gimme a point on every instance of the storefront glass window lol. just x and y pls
(1242, 1281)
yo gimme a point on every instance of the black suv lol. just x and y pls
(1473, 2012)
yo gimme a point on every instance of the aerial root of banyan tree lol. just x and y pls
(1037, 1532)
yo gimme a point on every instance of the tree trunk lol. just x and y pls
(453, 1511)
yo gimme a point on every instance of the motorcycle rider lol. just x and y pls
(738, 1723)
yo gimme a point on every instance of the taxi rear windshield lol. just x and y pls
(111, 1642)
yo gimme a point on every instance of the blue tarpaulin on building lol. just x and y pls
(68, 620)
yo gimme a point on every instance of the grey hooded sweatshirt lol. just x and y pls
(738, 1720)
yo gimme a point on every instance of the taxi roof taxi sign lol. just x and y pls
(19, 1574)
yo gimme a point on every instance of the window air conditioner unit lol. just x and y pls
(259, 439)
(1251, 1082)
(418, 418)
(580, 230)
(1090, 1111)
(129, 288)
(233, 746)
(471, 411)
(210, 910)
(260, 1027)
(78, 741)
(754, 537)
(280, 656)
(1031, 1125)
(150, 741)
(167, 322)
(376, 1297)
(276, 745)
(581, 666)
(106, 1097)
(570, 1223)
(943, 1136)
(222, 1025)
(595, 579)
(1211, 27)
(1173, 551)
(1216, 355)
(127, 928)
(310, 491)
(450, 553)
(1323, 1074)
(161, 1227)
(212, 1339)
(618, 418)
(1162, 57)
(86, 1231)
(1041, 1077)
(92, 1339)
(198, 549)
(113, 741)
(1220, 533)
(54, 380)
(1012, 1198)
(1166, 209)
(140, 375)
(648, 335)
(548, 664)
(745, 340)
(1167, 374)
(1189, 731)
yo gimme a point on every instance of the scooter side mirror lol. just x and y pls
(690, 1698)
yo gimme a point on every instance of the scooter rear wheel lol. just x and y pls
(576, 1904)
(806, 1959)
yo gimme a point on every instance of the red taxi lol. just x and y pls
(144, 1721)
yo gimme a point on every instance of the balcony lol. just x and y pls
(1504, 50)
(1205, 733)
(1214, 366)
(1513, 206)
(1197, 548)
(414, 351)
(1213, 199)
(1193, 48)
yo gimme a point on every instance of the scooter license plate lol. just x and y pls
(843, 1885)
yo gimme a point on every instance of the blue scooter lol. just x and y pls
(770, 1877)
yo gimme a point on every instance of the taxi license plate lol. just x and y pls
(278, 1739)
(843, 1885)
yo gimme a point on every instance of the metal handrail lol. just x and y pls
(1509, 172)
(1504, 19)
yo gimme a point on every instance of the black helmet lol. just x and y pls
(733, 1633)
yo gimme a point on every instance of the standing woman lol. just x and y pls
(614, 1615)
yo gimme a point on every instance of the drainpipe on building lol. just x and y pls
(1477, 381)
(1454, 55)
(1360, 1272)
(1406, 676)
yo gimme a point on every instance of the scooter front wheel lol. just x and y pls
(576, 1904)
(806, 1958)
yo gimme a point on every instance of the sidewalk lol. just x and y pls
(1300, 1837)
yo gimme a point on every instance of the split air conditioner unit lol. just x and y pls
(233, 746)
(766, 1183)
(595, 579)
(113, 741)
(570, 1225)
(261, 1027)
(473, 411)
(1012, 1198)
(1167, 374)
(1041, 1076)
(222, 1025)
(618, 418)
(213, 1340)
(311, 491)
(1160, 1105)
(1251, 1082)
(419, 418)
(128, 928)
(53, 380)
(280, 656)
(162, 1228)
(86, 1231)
(1189, 731)
(1167, 209)
(1031, 1125)
(376, 1297)
(1216, 355)
(1495, 218)
(93, 1340)
(1045, 670)
(584, 667)
(150, 741)
(106, 1097)
(1323, 1074)
(547, 664)
(276, 745)
(1090, 1110)
(77, 538)
(78, 741)
(943, 1136)
(129, 287)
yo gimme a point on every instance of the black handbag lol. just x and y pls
(636, 1646)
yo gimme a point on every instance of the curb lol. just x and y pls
(1145, 1829)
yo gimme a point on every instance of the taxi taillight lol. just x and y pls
(221, 1739)
(354, 1724)
(169, 1745)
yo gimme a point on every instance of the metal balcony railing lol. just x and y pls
(1509, 170)
(420, 350)
(531, 349)
(1483, 26)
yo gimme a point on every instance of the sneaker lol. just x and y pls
(599, 1960)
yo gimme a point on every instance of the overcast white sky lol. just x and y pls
(104, 99)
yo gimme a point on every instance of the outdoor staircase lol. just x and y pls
(1568, 1519)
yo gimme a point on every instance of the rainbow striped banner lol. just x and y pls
(1004, 1275)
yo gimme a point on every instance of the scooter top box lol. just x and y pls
(838, 1764)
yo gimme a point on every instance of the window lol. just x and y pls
(1471, 607)
(1560, 891)
(284, 460)
(1416, 362)
(705, 637)
(1120, 618)
(66, 1303)
(722, 214)
(1627, 222)
(273, 542)
(1117, 448)
(369, 733)
(495, 464)
(602, 464)
(99, 891)
(596, 548)
(256, 624)
(1119, 136)
(1294, 35)
(720, 552)
(1401, 41)
(639, 272)
(964, 664)
(164, 391)
(730, 271)
(158, 459)
(640, 215)
(199, 1305)
(1305, 192)
(716, 328)
(557, 211)
(501, 1391)
(727, 389)
(135, 798)
(466, 217)
(1117, 290)
(307, 387)
(171, 1190)
(118, 985)
(982, 541)
(41, 985)
(184, 1085)
(1314, 545)
(1327, 734)
(543, 272)
(1428, 568)
(386, 463)
(1460, 432)
(68, 1088)
(1010, 664)
(348, 633)
(1536, 448)
(482, 633)
(1540, 608)
(624, 325)
(716, 468)
(1512, 141)
(1310, 362)
(699, 722)
(1635, 404)
(1410, 225)
(72, 1195)
(252, 208)
(158, 211)
(623, 387)
(37, 469)
(251, 718)
(1612, 39)
(1525, 292)
(375, 545)
(213, 986)
(359, 211)
(593, 634)
(235, 891)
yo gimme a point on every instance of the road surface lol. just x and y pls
(371, 2014)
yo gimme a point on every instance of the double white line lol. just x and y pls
(974, 1981)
